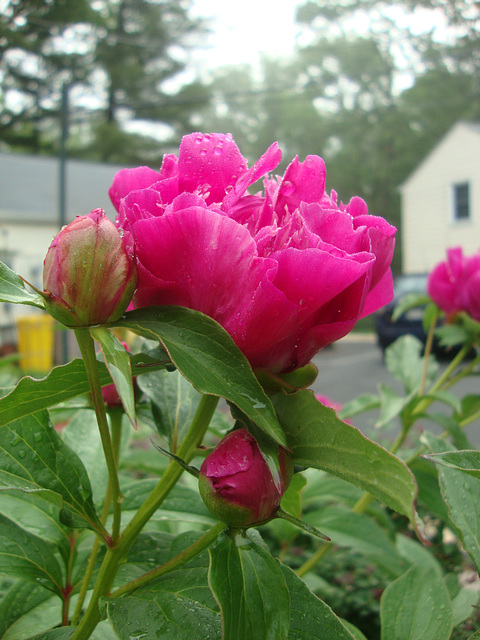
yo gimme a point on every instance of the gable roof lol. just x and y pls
(473, 127)
(29, 188)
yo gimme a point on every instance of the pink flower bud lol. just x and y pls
(236, 483)
(89, 277)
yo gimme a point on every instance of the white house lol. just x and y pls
(30, 215)
(441, 200)
(30, 204)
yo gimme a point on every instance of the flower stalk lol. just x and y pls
(170, 477)
(87, 350)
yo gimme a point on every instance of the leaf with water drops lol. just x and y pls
(34, 459)
(250, 588)
(359, 532)
(21, 598)
(467, 461)
(319, 439)
(310, 617)
(207, 356)
(12, 289)
(177, 606)
(461, 493)
(416, 607)
(23, 555)
(62, 384)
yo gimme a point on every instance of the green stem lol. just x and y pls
(194, 550)
(442, 380)
(428, 350)
(462, 374)
(116, 428)
(172, 473)
(67, 590)
(87, 349)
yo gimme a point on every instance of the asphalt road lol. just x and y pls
(354, 366)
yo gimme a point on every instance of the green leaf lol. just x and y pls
(417, 554)
(83, 436)
(410, 301)
(207, 356)
(461, 493)
(311, 619)
(404, 361)
(23, 555)
(12, 289)
(365, 402)
(465, 461)
(292, 499)
(34, 459)
(62, 383)
(429, 494)
(416, 607)
(62, 633)
(119, 367)
(178, 606)
(249, 586)
(175, 402)
(452, 335)
(319, 439)
(462, 605)
(391, 405)
(359, 532)
(40, 517)
(21, 598)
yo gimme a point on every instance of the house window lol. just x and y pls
(461, 201)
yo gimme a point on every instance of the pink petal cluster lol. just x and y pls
(286, 270)
(236, 483)
(454, 285)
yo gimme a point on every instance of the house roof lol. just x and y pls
(474, 127)
(29, 188)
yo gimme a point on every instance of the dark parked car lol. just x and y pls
(408, 323)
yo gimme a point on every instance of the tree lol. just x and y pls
(115, 56)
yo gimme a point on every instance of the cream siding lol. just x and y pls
(428, 228)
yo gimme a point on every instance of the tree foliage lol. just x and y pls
(115, 56)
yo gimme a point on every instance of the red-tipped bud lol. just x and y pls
(236, 483)
(89, 277)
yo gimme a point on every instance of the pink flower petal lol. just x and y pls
(127, 180)
(211, 159)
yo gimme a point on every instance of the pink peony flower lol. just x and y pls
(236, 483)
(285, 271)
(454, 285)
(88, 275)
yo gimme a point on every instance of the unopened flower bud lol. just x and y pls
(89, 277)
(236, 483)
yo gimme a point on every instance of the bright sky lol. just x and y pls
(244, 29)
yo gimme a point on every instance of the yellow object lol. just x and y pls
(36, 342)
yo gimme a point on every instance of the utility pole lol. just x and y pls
(62, 191)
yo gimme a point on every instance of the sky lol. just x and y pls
(243, 30)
